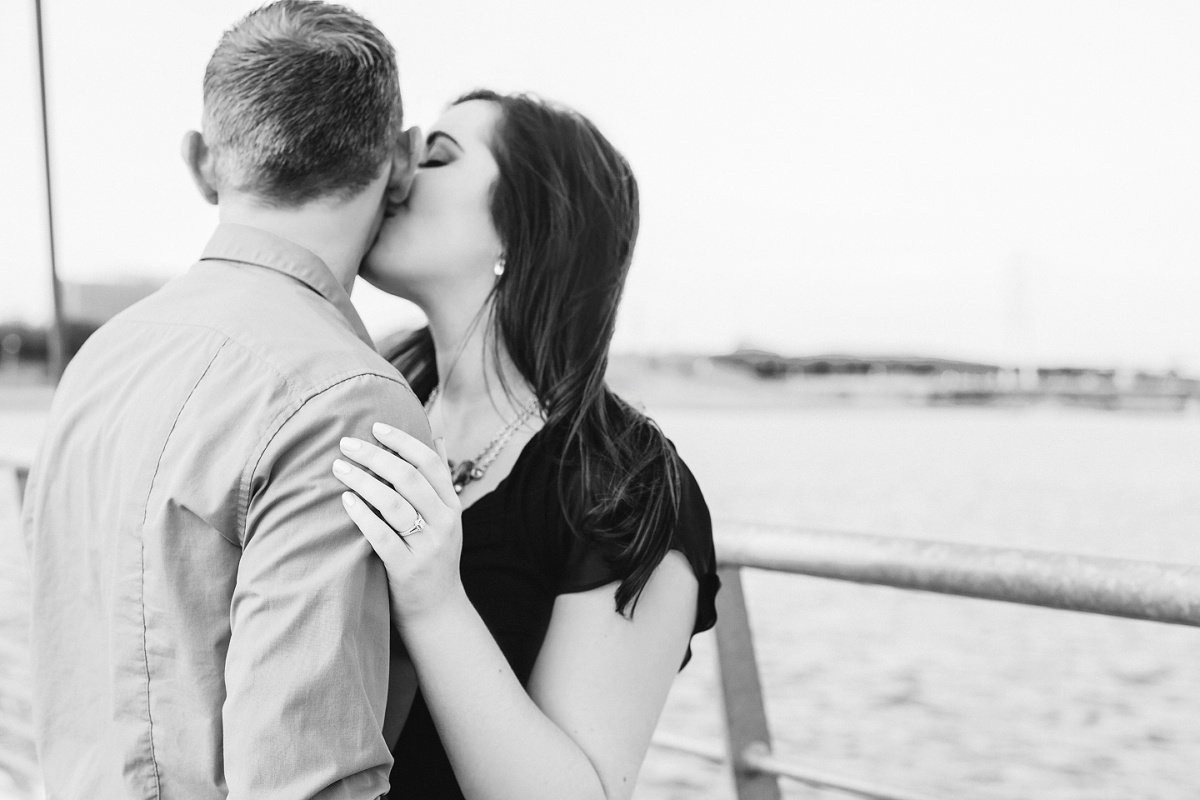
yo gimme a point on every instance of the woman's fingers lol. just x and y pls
(396, 510)
(422, 572)
(383, 539)
(408, 482)
(431, 465)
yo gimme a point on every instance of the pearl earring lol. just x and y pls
(499, 268)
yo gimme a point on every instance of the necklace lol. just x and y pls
(473, 469)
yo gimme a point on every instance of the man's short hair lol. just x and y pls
(301, 100)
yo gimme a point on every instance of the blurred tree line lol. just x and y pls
(25, 344)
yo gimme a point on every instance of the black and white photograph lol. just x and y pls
(562, 400)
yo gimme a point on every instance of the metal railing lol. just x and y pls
(16, 733)
(1142, 590)
(1168, 593)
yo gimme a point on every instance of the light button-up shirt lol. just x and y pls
(207, 621)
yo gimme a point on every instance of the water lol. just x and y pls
(959, 698)
(955, 697)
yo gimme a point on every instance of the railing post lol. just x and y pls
(745, 714)
(22, 474)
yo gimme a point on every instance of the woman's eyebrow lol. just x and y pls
(433, 137)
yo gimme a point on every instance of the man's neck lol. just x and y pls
(337, 232)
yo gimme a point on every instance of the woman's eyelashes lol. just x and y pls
(438, 151)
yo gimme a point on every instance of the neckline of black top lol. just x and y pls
(495, 490)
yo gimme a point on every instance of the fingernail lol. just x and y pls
(341, 467)
(348, 499)
(350, 444)
(382, 430)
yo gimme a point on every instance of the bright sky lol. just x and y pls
(1015, 180)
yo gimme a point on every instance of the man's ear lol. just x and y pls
(407, 155)
(201, 164)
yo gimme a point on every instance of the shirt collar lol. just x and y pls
(246, 245)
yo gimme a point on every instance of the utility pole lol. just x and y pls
(56, 341)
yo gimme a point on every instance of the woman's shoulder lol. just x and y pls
(606, 546)
(693, 537)
(694, 525)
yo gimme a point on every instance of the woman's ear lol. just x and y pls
(201, 164)
(405, 159)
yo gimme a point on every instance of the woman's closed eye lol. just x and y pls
(438, 154)
(439, 150)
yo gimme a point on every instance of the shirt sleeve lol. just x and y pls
(586, 566)
(307, 667)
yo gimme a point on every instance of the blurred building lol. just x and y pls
(96, 303)
(86, 306)
(767, 364)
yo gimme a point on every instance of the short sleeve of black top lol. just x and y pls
(518, 555)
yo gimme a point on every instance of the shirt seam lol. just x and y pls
(142, 565)
(280, 420)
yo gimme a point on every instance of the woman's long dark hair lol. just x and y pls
(565, 206)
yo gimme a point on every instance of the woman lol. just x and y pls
(547, 587)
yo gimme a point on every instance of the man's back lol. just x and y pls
(206, 619)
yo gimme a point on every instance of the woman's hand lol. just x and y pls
(422, 559)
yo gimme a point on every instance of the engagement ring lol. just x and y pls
(417, 526)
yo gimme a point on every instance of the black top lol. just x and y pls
(518, 555)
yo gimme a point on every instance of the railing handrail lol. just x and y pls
(760, 759)
(1159, 592)
(1146, 590)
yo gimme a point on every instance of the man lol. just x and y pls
(207, 620)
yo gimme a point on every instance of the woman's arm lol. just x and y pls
(597, 687)
(595, 695)
(604, 678)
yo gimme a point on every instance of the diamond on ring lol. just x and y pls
(417, 526)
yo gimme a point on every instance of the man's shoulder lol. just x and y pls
(279, 328)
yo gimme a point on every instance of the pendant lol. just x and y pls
(463, 473)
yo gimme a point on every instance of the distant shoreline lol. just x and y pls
(699, 382)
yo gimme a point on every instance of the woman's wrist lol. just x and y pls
(438, 617)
